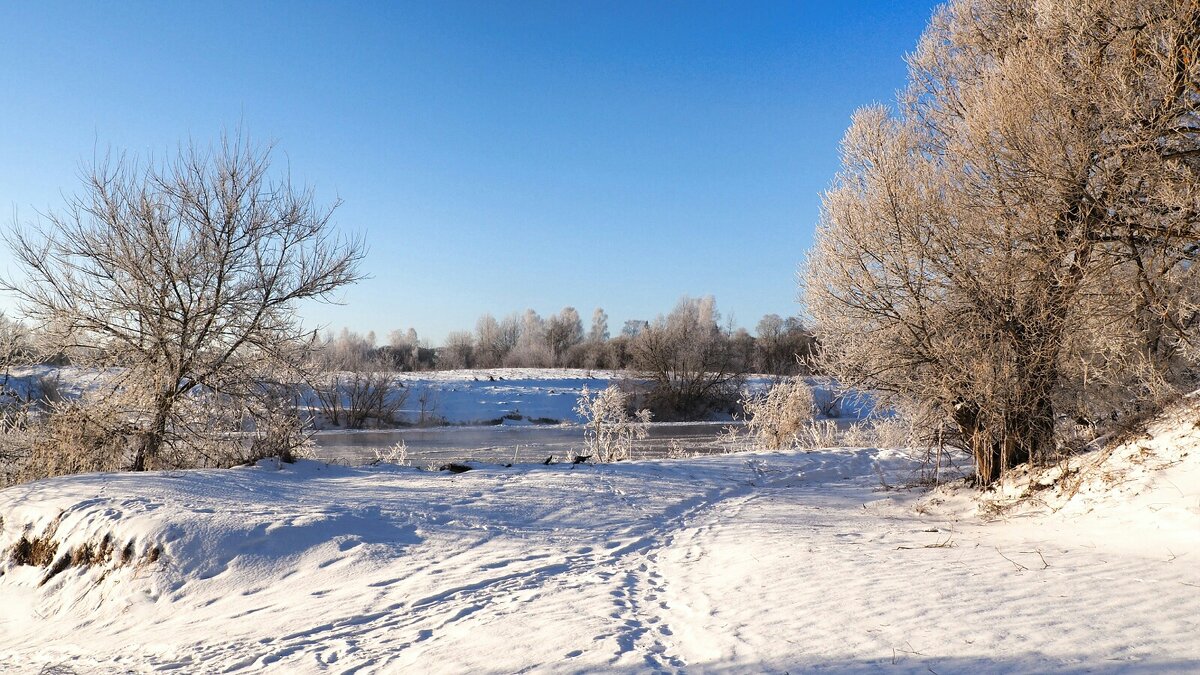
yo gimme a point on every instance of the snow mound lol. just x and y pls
(1143, 485)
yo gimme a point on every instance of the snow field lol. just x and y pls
(740, 563)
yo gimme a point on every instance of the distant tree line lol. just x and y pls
(694, 363)
(780, 346)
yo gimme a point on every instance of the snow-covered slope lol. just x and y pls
(739, 563)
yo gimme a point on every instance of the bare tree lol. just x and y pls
(1017, 247)
(185, 273)
(782, 347)
(690, 360)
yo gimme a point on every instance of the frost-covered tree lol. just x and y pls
(599, 330)
(531, 350)
(490, 348)
(563, 332)
(403, 350)
(187, 273)
(459, 351)
(509, 333)
(594, 351)
(634, 327)
(1016, 247)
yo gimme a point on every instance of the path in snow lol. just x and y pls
(740, 563)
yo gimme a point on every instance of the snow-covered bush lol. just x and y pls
(818, 434)
(894, 432)
(278, 432)
(859, 435)
(610, 429)
(885, 432)
(72, 438)
(396, 453)
(778, 417)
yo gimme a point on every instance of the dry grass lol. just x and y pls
(43, 551)
(36, 551)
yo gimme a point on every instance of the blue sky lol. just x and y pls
(496, 155)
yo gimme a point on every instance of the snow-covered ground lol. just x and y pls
(483, 396)
(738, 563)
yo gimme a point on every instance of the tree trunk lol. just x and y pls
(1025, 433)
(152, 439)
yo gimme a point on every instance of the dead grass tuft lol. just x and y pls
(43, 552)
(36, 551)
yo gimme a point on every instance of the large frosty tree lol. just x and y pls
(186, 274)
(1016, 246)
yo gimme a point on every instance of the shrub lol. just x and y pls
(817, 434)
(278, 432)
(72, 438)
(358, 390)
(778, 417)
(610, 430)
(690, 360)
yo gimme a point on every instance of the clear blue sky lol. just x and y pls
(496, 155)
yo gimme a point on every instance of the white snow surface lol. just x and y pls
(474, 396)
(747, 563)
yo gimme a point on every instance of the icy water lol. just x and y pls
(436, 446)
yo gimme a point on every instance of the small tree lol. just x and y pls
(690, 360)
(186, 274)
(609, 428)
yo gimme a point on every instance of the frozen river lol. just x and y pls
(438, 445)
